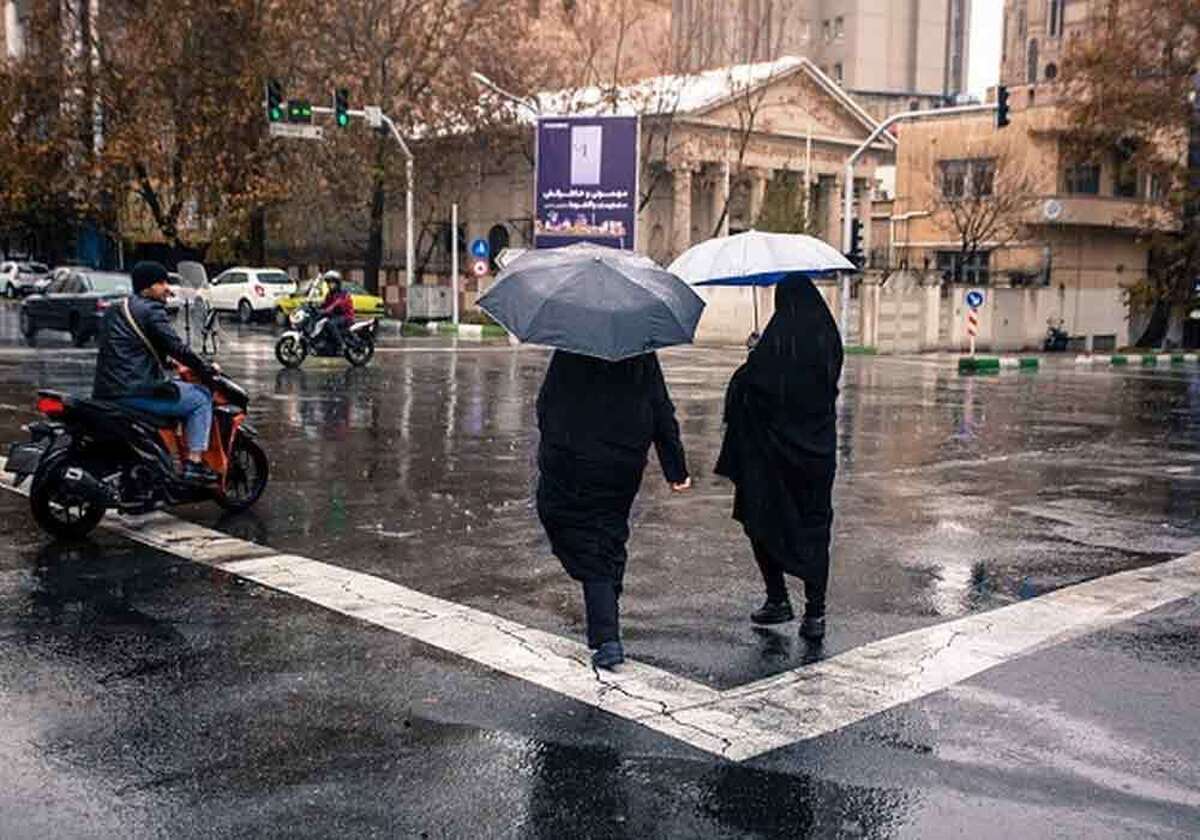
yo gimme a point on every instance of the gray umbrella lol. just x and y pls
(593, 300)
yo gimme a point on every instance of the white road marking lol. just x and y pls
(737, 724)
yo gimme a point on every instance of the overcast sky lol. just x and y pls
(987, 18)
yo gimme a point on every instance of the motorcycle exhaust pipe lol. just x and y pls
(85, 484)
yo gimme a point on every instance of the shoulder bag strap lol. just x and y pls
(137, 329)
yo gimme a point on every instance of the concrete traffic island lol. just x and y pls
(994, 364)
(1147, 359)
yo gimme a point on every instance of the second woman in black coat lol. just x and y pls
(597, 421)
(780, 450)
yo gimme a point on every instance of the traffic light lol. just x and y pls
(341, 107)
(855, 255)
(299, 111)
(274, 100)
(1001, 106)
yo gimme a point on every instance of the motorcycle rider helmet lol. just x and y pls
(333, 280)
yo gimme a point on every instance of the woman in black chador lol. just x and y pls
(780, 450)
(597, 421)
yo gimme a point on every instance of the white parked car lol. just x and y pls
(250, 292)
(20, 278)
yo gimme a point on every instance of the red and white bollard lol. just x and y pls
(972, 326)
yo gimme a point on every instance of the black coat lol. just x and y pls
(125, 367)
(597, 421)
(780, 446)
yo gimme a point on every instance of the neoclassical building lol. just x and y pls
(716, 148)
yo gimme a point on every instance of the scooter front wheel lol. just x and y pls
(290, 351)
(247, 476)
(360, 352)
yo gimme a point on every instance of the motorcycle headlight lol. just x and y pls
(297, 318)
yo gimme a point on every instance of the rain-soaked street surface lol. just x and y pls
(144, 695)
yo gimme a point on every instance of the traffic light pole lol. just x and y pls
(848, 182)
(371, 115)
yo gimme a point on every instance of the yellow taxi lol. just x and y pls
(366, 305)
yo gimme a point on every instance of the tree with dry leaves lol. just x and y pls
(1131, 84)
(982, 201)
(413, 58)
(154, 116)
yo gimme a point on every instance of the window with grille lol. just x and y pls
(1082, 179)
(974, 178)
(970, 269)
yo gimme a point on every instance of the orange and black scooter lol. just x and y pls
(89, 456)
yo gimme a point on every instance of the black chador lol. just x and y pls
(780, 449)
(597, 421)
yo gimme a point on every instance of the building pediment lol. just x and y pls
(790, 96)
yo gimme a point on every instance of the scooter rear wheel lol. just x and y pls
(60, 512)
(290, 352)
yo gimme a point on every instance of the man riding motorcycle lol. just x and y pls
(338, 306)
(135, 340)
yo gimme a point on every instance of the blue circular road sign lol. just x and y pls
(974, 298)
(480, 249)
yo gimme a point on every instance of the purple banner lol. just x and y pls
(587, 181)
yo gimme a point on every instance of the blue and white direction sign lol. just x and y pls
(480, 249)
(975, 298)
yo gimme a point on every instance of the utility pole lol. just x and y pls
(454, 260)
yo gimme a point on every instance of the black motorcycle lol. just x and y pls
(313, 333)
(1057, 338)
(89, 456)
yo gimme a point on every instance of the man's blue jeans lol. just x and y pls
(194, 407)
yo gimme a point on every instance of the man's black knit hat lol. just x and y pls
(146, 274)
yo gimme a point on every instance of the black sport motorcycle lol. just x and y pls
(89, 456)
(313, 333)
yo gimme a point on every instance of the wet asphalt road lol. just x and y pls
(143, 696)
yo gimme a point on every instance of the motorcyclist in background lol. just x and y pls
(338, 306)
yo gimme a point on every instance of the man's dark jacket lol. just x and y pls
(125, 367)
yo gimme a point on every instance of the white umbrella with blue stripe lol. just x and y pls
(755, 258)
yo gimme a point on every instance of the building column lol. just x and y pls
(681, 208)
(718, 201)
(868, 310)
(758, 193)
(833, 211)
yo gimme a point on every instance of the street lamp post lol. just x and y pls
(848, 182)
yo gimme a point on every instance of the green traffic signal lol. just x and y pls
(274, 100)
(341, 107)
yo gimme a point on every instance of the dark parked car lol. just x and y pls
(74, 303)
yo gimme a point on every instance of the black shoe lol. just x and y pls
(813, 628)
(199, 473)
(773, 612)
(608, 655)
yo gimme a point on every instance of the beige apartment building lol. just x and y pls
(889, 55)
(1072, 239)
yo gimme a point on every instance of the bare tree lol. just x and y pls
(748, 95)
(982, 201)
